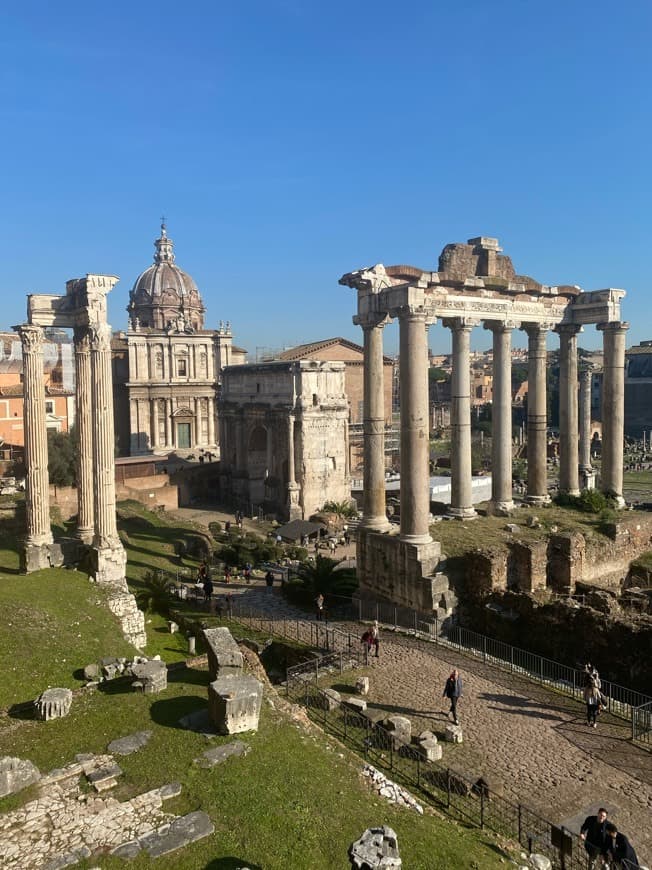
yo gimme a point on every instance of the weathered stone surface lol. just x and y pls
(130, 743)
(373, 715)
(224, 656)
(170, 790)
(362, 685)
(357, 704)
(53, 704)
(218, 754)
(183, 831)
(427, 735)
(16, 774)
(104, 774)
(454, 733)
(234, 703)
(400, 728)
(331, 699)
(153, 675)
(377, 848)
(92, 671)
(67, 860)
(127, 850)
(431, 750)
(540, 862)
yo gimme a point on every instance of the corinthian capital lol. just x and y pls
(100, 337)
(31, 337)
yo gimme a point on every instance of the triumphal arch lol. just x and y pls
(83, 309)
(476, 284)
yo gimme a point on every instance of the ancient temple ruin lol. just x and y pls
(83, 309)
(475, 284)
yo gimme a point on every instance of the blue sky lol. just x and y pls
(289, 141)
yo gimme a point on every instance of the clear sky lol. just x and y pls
(289, 141)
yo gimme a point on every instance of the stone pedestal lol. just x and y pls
(37, 556)
(234, 703)
(53, 704)
(400, 729)
(224, 656)
(454, 733)
(109, 565)
(152, 675)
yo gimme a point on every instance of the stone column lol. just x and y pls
(415, 442)
(84, 424)
(587, 474)
(154, 424)
(613, 409)
(501, 418)
(373, 426)
(294, 509)
(110, 555)
(168, 423)
(461, 505)
(537, 414)
(38, 541)
(134, 427)
(211, 422)
(569, 482)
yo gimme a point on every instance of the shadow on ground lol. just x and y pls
(231, 864)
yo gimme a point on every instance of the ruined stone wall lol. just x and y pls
(153, 491)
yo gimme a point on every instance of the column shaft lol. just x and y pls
(84, 399)
(461, 505)
(211, 422)
(37, 496)
(613, 409)
(585, 422)
(106, 532)
(501, 418)
(568, 416)
(373, 426)
(415, 442)
(168, 422)
(537, 416)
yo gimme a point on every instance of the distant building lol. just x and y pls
(283, 431)
(58, 388)
(351, 354)
(167, 366)
(638, 389)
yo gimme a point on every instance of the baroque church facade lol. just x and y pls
(166, 367)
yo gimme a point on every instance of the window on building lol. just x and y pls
(182, 368)
(49, 406)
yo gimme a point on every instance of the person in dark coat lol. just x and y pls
(593, 834)
(453, 691)
(619, 849)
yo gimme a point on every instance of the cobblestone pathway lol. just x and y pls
(532, 740)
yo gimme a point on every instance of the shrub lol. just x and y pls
(590, 501)
(215, 529)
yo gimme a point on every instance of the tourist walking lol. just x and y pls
(367, 641)
(319, 604)
(375, 636)
(227, 574)
(592, 699)
(453, 691)
(247, 572)
(591, 675)
(619, 850)
(593, 834)
(269, 581)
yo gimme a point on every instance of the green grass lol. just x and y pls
(297, 800)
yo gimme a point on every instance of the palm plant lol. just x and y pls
(155, 594)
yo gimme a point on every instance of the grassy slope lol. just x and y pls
(297, 800)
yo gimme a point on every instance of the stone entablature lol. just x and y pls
(283, 435)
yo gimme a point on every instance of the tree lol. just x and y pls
(62, 458)
(327, 577)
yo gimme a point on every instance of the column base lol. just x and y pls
(461, 513)
(537, 499)
(109, 566)
(36, 557)
(587, 478)
(415, 539)
(573, 493)
(501, 508)
(375, 524)
(618, 501)
(85, 536)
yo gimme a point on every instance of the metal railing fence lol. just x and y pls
(642, 724)
(450, 790)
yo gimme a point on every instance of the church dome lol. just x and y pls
(165, 296)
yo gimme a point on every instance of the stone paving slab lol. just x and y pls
(218, 754)
(130, 743)
(182, 832)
